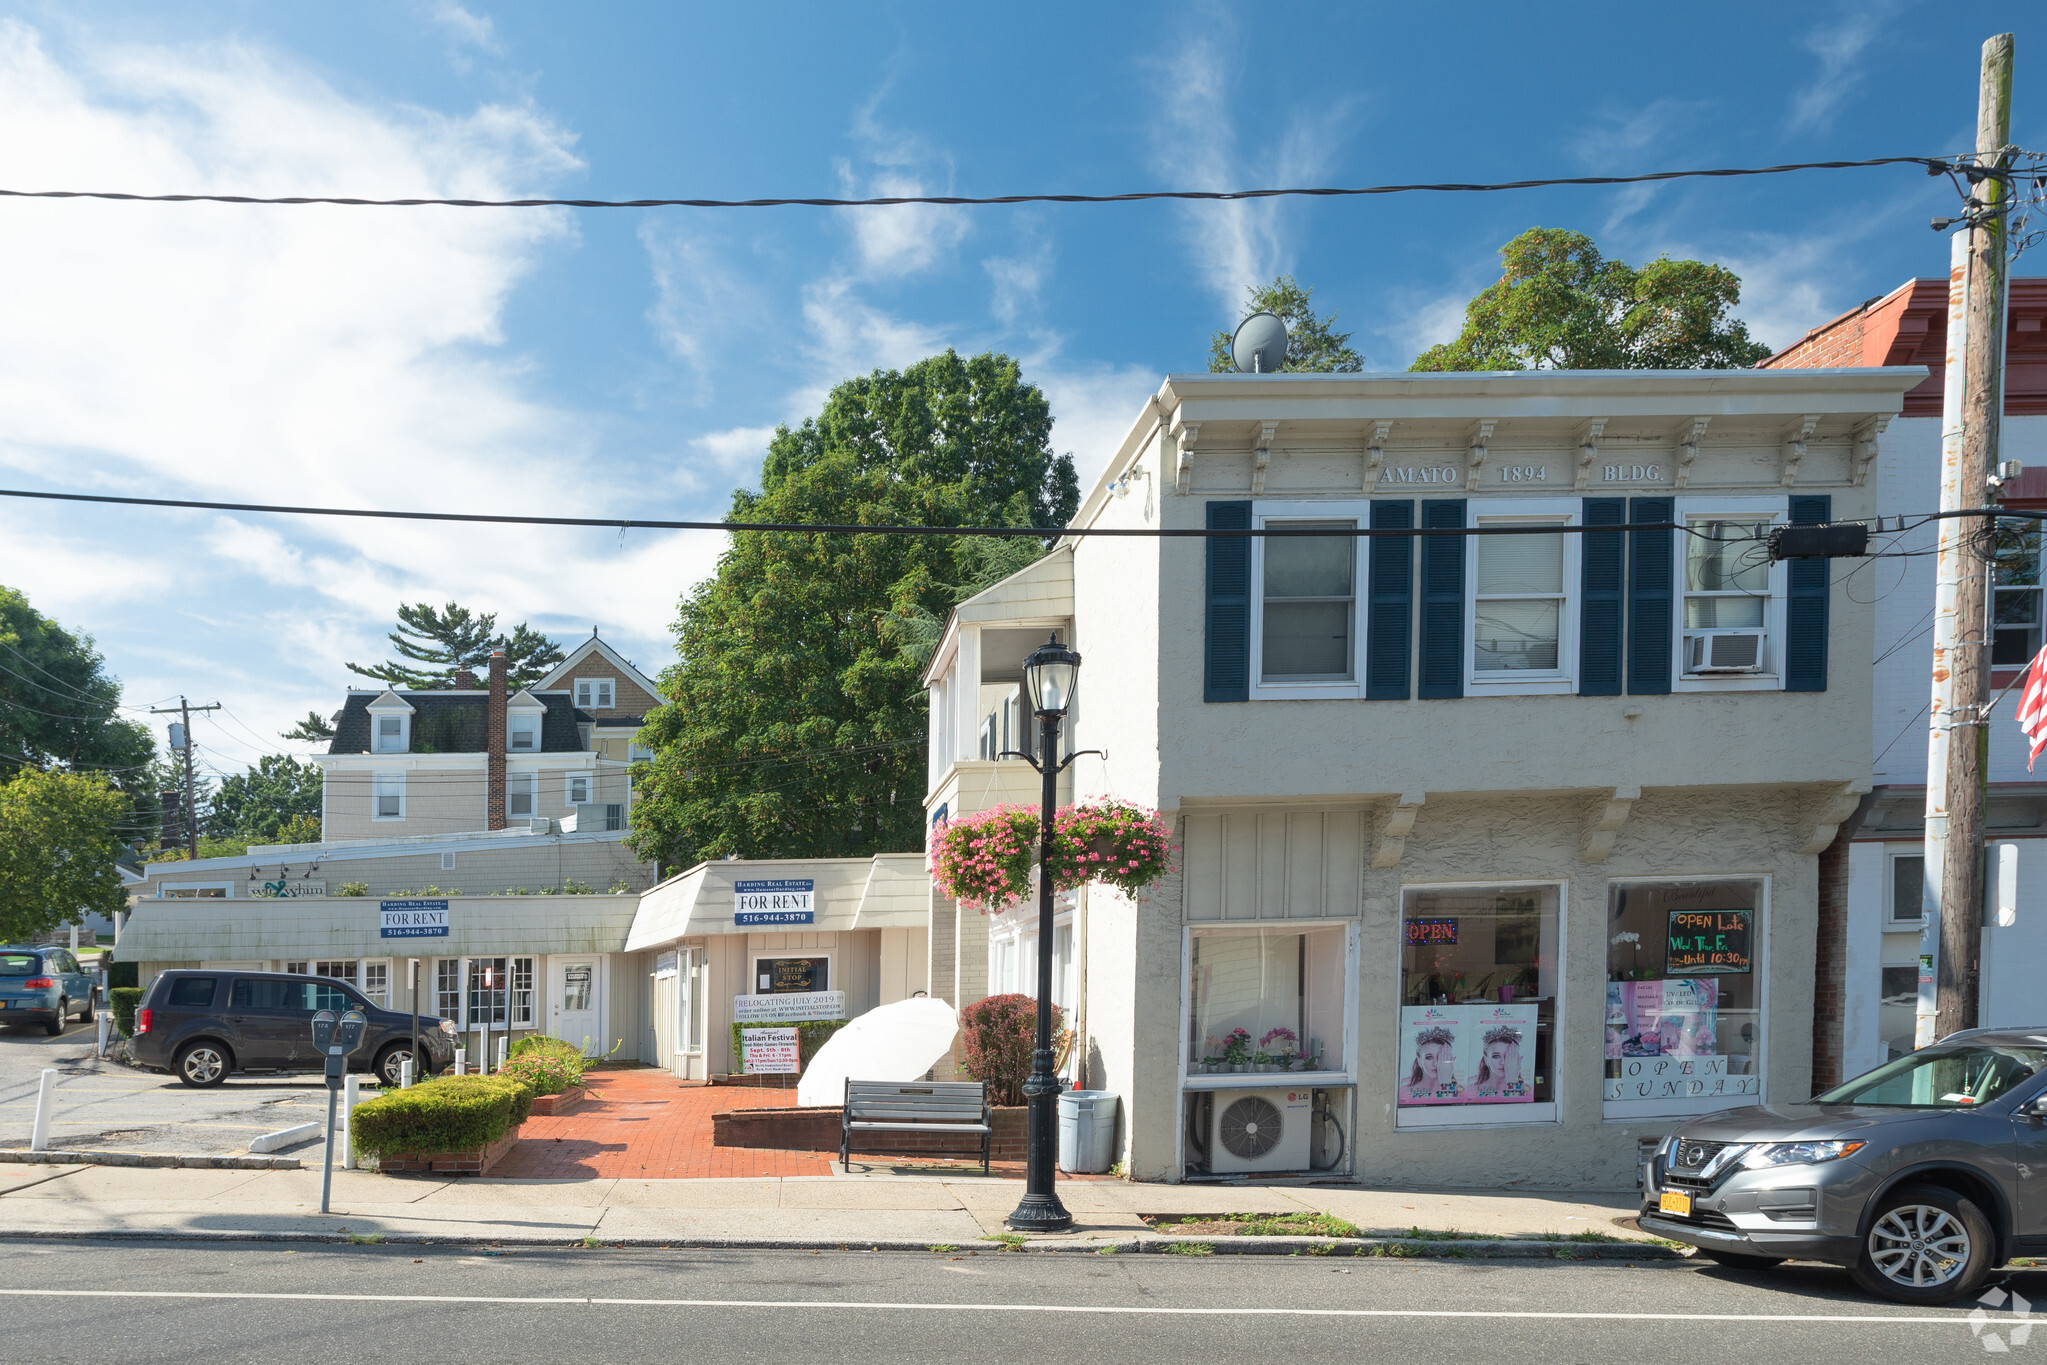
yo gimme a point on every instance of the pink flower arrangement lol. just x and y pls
(1110, 841)
(985, 859)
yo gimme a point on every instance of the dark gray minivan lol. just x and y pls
(205, 1025)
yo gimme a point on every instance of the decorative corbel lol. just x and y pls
(1688, 447)
(1266, 431)
(1867, 434)
(1481, 435)
(1604, 823)
(1794, 447)
(1826, 817)
(1588, 448)
(1394, 829)
(1375, 453)
(1186, 434)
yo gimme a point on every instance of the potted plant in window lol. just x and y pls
(1281, 1043)
(1237, 1049)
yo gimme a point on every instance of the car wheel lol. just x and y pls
(203, 1065)
(85, 1014)
(1926, 1245)
(390, 1059)
(1741, 1260)
(56, 1025)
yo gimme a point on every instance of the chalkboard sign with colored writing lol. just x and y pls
(1421, 931)
(1709, 943)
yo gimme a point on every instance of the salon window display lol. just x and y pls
(1478, 997)
(1683, 1018)
(1263, 1000)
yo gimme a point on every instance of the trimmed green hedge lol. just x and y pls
(810, 1036)
(554, 1047)
(452, 1114)
(121, 973)
(124, 1001)
(546, 1072)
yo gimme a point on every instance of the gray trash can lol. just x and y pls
(1087, 1131)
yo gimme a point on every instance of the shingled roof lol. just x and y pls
(456, 722)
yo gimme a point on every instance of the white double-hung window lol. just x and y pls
(387, 796)
(1524, 574)
(522, 795)
(1730, 632)
(596, 694)
(1305, 604)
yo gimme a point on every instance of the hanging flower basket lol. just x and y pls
(985, 859)
(1110, 841)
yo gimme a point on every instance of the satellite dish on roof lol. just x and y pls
(1259, 347)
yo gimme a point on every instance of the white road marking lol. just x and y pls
(1134, 1310)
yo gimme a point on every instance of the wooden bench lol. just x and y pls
(947, 1107)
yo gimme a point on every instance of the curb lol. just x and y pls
(177, 1160)
(1385, 1248)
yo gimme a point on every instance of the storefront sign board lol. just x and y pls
(1682, 1078)
(412, 919)
(779, 1009)
(1421, 932)
(785, 900)
(769, 1052)
(1709, 943)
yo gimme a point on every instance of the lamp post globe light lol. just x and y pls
(1051, 671)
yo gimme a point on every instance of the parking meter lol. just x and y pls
(335, 1036)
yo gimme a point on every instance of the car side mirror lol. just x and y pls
(2035, 1109)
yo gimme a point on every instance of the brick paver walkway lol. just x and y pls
(645, 1125)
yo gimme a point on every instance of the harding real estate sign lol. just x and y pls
(412, 919)
(789, 900)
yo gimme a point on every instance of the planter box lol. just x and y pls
(477, 1161)
(546, 1106)
(817, 1130)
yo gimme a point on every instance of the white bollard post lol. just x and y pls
(46, 1109)
(504, 1042)
(405, 1075)
(461, 1060)
(106, 1025)
(351, 1096)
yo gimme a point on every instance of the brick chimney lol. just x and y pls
(465, 680)
(494, 745)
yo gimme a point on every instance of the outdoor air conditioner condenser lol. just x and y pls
(1260, 1130)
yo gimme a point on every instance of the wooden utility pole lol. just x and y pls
(183, 710)
(1969, 456)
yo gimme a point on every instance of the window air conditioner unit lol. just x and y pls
(1260, 1130)
(539, 824)
(585, 817)
(1724, 651)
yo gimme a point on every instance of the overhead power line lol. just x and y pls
(1934, 165)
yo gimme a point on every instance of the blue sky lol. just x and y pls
(633, 363)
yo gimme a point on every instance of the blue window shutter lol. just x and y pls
(1652, 579)
(1442, 648)
(1599, 610)
(1389, 619)
(1228, 672)
(1805, 610)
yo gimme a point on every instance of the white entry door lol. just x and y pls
(575, 1016)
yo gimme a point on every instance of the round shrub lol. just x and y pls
(546, 1073)
(999, 1031)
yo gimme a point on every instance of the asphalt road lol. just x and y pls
(105, 1106)
(147, 1302)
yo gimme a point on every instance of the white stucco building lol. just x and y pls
(1516, 834)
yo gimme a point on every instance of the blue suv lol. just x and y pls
(43, 986)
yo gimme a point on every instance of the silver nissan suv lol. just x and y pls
(1922, 1176)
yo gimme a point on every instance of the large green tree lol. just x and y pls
(58, 842)
(1313, 345)
(794, 724)
(277, 795)
(1560, 305)
(451, 639)
(60, 708)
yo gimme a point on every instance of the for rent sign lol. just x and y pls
(412, 919)
(790, 900)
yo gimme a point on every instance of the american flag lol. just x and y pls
(2033, 707)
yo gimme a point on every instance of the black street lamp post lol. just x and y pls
(1050, 674)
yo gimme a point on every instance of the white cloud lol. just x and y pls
(701, 302)
(1235, 244)
(1839, 47)
(466, 29)
(898, 240)
(1016, 282)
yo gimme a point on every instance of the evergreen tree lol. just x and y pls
(1313, 345)
(453, 639)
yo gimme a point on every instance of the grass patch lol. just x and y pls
(365, 1239)
(1011, 1241)
(1109, 1250)
(1586, 1236)
(941, 1246)
(1188, 1249)
(1257, 1224)
(1396, 1250)
(592, 1242)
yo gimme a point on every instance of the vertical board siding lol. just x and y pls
(1227, 673)
(1442, 616)
(1273, 865)
(1600, 630)
(1652, 584)
(1389, 614)
(1805, 607)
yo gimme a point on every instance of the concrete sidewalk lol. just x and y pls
(866, 1208)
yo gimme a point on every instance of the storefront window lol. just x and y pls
(1478, 996)
(1684, 1023)
(791, 975)
(1266, 1000)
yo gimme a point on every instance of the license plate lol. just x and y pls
(1673, 1202)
